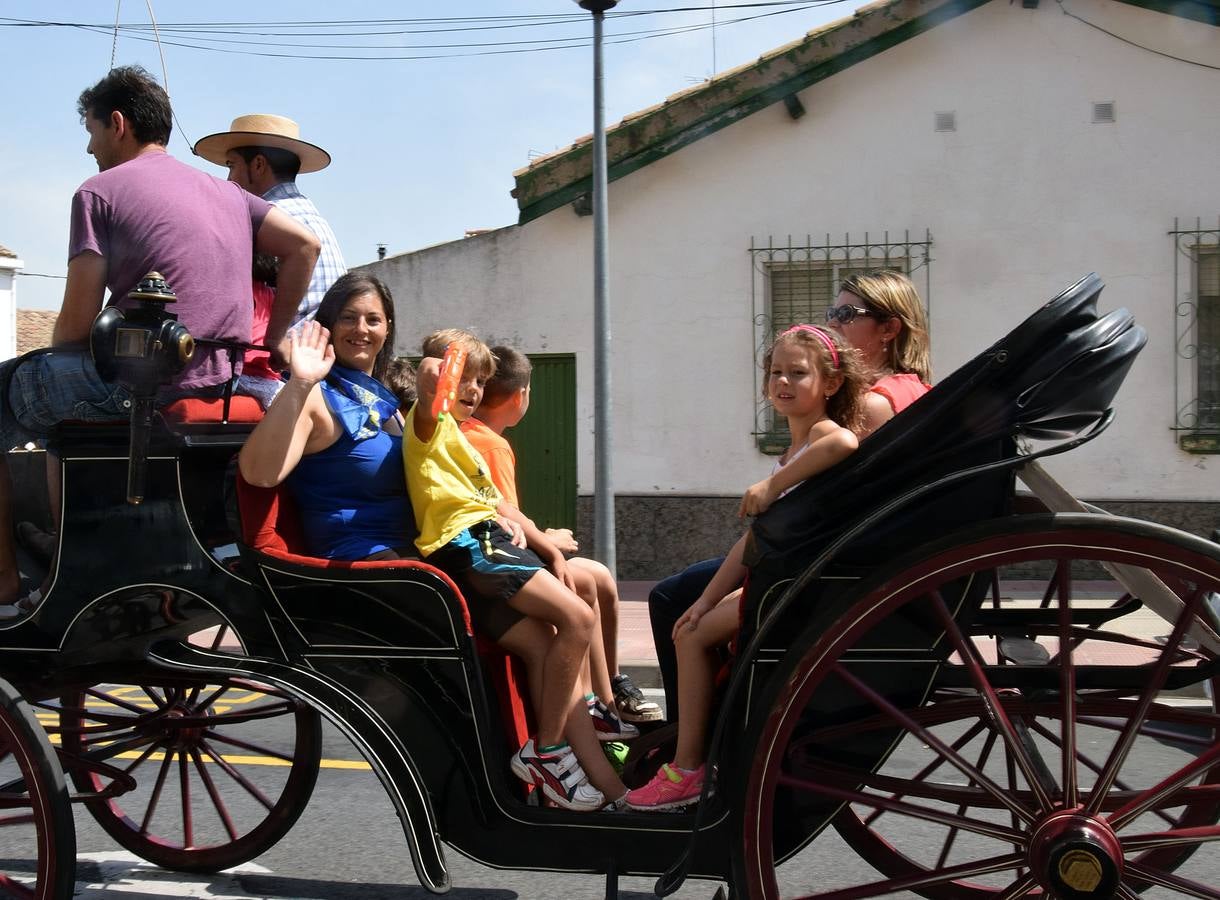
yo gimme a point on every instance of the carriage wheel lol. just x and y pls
(209, 774)
(955, 776)
(39, 857)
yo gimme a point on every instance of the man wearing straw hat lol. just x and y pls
(264, 154)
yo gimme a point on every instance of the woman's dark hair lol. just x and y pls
(136, 94)
(352, 285)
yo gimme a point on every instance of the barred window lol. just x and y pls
(1197, 308)
(794, 283)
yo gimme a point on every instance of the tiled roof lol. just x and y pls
(643, 137)
(34, 327)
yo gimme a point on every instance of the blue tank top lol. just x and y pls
(353, 498)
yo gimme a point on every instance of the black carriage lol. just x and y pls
(908, 599)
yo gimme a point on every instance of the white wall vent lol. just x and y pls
(1103, 112)
(945, 121)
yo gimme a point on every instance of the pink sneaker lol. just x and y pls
(668, 789)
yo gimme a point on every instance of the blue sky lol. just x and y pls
(423, 148)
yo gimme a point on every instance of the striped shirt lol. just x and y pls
(287, 197)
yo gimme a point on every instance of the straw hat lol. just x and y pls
(263, 130)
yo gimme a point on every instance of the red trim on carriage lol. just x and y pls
(271, 524)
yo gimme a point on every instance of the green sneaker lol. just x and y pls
(616, 752)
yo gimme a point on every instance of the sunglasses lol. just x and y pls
(847, 313)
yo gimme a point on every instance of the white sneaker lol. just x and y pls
(558, 775)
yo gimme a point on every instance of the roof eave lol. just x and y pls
(696, 113)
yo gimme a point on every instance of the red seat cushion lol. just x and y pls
(198, 411)
(270, 523)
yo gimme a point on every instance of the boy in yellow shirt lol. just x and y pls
(506, 399)
(525, 605)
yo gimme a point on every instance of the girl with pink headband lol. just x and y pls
(813, 380)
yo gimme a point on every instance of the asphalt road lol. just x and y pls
(349, 844)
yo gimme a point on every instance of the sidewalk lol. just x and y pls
(638, 657)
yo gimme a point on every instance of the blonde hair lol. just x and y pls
(845, 406)
(893, 295)
(479, 358)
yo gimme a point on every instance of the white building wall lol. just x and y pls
(1026, 196)
(9, 267)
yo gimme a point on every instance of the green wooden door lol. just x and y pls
(545, 443)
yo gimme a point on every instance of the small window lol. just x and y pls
(795, 283)
(945, 121)
(1197, 333)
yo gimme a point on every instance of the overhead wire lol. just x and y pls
(505, 47)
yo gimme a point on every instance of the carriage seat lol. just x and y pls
(270, 525)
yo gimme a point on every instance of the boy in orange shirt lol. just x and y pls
(506, 399)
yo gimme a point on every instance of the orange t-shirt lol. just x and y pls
(498, 454)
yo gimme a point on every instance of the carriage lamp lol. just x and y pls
(141, 348)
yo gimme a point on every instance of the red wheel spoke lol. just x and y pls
(1146, 800)
(252, 747)
(1175, 882)
(251, 788)
(915, 882)
(1118, 754)
(1021, 888)
(184, 785)
(222, 811)
(222, 632)
(991, 701)
(220, 691)
(14, 888)
(1095, 767)
(955, 759)
(252, 713)
(155, 797)
(1067, 688)
(87, 712)
(23, 819)
(1171, 838)
(139, 760)
(975, 826)
(926, 772)
(160, 700)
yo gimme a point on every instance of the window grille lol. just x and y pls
(1196, 284)
(794, 282)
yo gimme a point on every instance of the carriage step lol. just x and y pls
(1024, 651)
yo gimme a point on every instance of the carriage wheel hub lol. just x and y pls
(1076, 857)
(181, 737)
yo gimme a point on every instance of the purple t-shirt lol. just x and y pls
(154, 213)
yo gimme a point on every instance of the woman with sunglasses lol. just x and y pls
(881, 316)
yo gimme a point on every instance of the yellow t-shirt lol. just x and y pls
(448, 483)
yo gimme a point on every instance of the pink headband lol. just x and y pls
(830, 344)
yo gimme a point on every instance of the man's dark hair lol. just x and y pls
(513, 371)
(136, 94)
(284, 163)
(352, 285)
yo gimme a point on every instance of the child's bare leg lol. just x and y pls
(607, 600)
(529, 640)
(544, 597)
(697, 665)
(588, 749)
(598, 671)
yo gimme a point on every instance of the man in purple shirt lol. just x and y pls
(145, 211)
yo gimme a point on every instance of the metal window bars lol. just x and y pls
(1196, 299)
(794, 282)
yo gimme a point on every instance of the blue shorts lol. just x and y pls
(489, 570)
(52, 387)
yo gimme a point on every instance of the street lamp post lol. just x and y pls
(603, 487)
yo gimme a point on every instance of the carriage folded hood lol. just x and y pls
(1050, 378)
